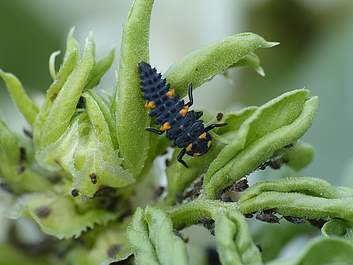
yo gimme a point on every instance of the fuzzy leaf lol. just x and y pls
(132, 118)
(64, 106)
(276, 124)
(23, 102)
(69, 63)
(99, 70)
(53, 212)
(234, 243)
(153, 241)
(201, 65)
(103, 107)
(303, 197)
(323, 251)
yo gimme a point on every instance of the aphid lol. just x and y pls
(43, 212)
(93, 178)
(219, 116)
(113, 250)
(267, 217)
(23, 154)
(294, 220)
(74, 193)
(239, 186)
(28, 133)
(182, 126)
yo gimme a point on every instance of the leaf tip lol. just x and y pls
(270, 44)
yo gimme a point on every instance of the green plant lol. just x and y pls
(82, 176)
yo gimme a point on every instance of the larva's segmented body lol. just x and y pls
(182, 126)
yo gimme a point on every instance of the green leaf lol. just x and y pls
(303, 197)
(202, 65)
(153, 241)
(23, 102)
(323, 251)
(234, 243)
(64, 106)
(52, 212)
(338, 228)
(103, 107)
(99, 70)
(271, 127)
(69, 63)
(132, 118)
(109, 245)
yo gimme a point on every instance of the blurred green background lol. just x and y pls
(316, 52)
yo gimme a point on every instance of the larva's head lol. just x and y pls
(200, 145)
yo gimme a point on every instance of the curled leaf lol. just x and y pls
(153, 241)
(203, 64)
(132, 119)
(303, 197)
(338, 228)
(23, 102)
(234, 243)
(64, 106)
(271, 127)
(52, 58)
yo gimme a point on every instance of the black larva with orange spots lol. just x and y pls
(172, 114)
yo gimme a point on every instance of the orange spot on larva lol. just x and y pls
(184, 111)
(150, 105)
(165, 126)
(202, 136)
(170, 93)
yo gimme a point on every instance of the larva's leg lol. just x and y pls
(212, 126)
(191, 99)
(180, 158)
(154, 130)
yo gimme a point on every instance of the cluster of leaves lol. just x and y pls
(77, 175)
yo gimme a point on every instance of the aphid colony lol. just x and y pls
(172, 114)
